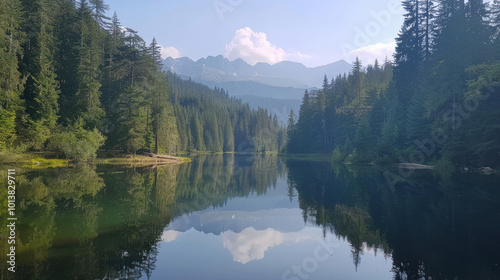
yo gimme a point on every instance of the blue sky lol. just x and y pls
(311, 32)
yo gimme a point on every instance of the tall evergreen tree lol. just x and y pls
(427, 28)
(45, 80)
(89, 74)
(495, 19)
(291, 124)
(407, 58)
(154, 48)
(11, 81)
(11, 36)
(357, 80)
(99, 10)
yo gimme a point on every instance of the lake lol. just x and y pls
(252, 217)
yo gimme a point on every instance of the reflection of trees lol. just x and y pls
(212, 180)
(337, 202)
(434, 226)
(452, 227)
(40, 197)
(72, 227)
(93, 223)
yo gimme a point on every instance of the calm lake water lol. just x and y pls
(252, 217)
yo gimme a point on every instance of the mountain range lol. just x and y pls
(278, 88)
(218, 69)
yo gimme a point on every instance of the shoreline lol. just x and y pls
(42, 160)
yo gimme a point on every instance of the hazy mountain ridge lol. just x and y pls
(219, 69)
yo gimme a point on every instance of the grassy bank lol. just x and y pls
(142, 160)
(37, 160)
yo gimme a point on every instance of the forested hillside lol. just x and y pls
(209, 120)
(439, 99)
(73, 80)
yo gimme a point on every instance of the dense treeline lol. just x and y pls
(209, 120)
(73, 77)
(438, 100)
(73, 80)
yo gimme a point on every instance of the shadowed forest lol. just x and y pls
(438, 100)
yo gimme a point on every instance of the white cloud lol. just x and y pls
(368, 54)
(169, 52)
(254, 47)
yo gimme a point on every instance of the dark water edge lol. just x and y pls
(109, 222)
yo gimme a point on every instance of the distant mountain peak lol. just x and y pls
(282, 74)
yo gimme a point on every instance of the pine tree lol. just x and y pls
(11, 36)
(89, 73)
(416, 117)
(291, 125)
(495, 15)
(228, 133)
(11, 82)
(45, 80)
(407, 58)
(163, 119)
(326, 85)
(114, 44)
(197, 132)
(66, 30)
(133, 121)
(480, 33)
(363, 138)
(115, 30)
(357, 80)
(154, 49)
(99, 10)
(167, 135)
(427, 28)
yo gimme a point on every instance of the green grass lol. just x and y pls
(47, 160)
(140, 159)
(30, 160)
(41, 163)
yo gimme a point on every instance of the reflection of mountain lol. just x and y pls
(216, 222)
(274, 209)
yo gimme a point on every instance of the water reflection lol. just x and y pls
(439, 226)
(255, 216)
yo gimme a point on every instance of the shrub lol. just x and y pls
(77, 143)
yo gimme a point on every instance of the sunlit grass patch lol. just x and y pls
(39, 162)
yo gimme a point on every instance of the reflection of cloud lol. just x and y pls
(368, 54)
(251, 244)
(254, 47)
(170, 235)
